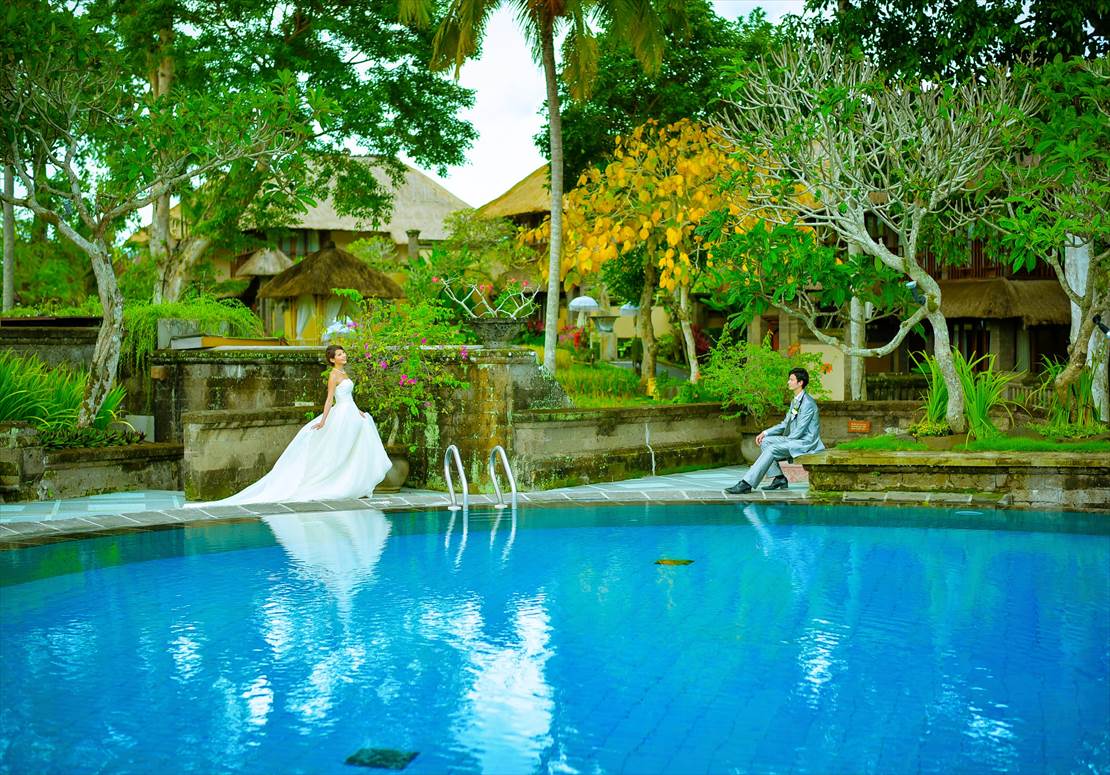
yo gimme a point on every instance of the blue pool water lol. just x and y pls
(800, 639)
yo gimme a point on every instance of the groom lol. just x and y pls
(798, 434)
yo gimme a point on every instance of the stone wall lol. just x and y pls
(561, 447)
(1048, 480)
(240, 379)
(28, 472)
(53, 345)
(502, 382)
(225, 450)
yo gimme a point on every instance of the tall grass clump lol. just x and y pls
(48, 398)
(984, 391)
(1073, 416)
(934, 420)
(599, 384)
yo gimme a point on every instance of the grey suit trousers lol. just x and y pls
(771, 452)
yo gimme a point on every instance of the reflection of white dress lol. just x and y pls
(344, 459)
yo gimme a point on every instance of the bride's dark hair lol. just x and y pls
(329, 353)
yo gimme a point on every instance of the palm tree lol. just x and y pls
(458, 37)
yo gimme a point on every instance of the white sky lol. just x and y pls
(509, 93)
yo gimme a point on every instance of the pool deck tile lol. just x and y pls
(39, 522)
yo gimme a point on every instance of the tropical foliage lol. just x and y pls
(750, 379)
(459, 36)
(401, 378)
(646, 204)
(48, 398)
(211, 315)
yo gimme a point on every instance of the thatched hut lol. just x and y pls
(1020, 321)
(526, 204)
(305, 304)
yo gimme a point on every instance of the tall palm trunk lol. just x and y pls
(9, 240)
(161, 240)
(555, 246)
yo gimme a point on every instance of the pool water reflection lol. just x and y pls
(809, 639)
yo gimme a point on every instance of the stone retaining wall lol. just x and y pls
(561, 447)
(28, 472)
(240, 379)
(1046, 480)
(226, 450)
(53, 345)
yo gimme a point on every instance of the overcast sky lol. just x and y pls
(509, 93)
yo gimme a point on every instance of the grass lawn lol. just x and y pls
(999, 444)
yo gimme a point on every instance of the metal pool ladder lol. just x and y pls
(493, 455)
(453, 451)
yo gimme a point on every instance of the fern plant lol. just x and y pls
(140, 324)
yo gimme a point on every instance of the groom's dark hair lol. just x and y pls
(331, 351)
(801, 375)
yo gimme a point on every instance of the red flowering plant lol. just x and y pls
(400, 356)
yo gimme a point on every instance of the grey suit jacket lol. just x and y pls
(802, 432)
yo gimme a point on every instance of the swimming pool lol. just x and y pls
(807, 639)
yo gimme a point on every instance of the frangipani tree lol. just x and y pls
(1057, 203)
(64, 100)
(841, 143)
(459, 35)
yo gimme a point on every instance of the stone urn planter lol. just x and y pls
(398, 473)
(496, 332)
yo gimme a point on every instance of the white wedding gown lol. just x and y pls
(344, 459)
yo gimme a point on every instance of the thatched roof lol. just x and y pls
(329, 268)
(418, 203)
(265, 262)
(531, 195)
(1036, 302)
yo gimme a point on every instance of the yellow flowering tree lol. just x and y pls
(659, 185)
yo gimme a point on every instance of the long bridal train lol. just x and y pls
(344, 459)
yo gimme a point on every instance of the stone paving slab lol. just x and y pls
(71, 520)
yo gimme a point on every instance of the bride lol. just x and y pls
(336, 456)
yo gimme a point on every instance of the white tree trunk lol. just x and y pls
(9, 241)
(1099, 364)
(684, 318)
(102, 372)
(857, 328)
(1077, 266)
(554, 264)
(942, 351)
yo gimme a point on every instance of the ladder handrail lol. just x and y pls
(447, 453)
(493, 453)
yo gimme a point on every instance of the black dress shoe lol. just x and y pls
(740, 488)
(778, 483)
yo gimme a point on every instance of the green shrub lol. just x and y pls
(598, 382)
(751, 379)
(399, 377)
(47, 397)
(1058, 428)
(925, 427)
